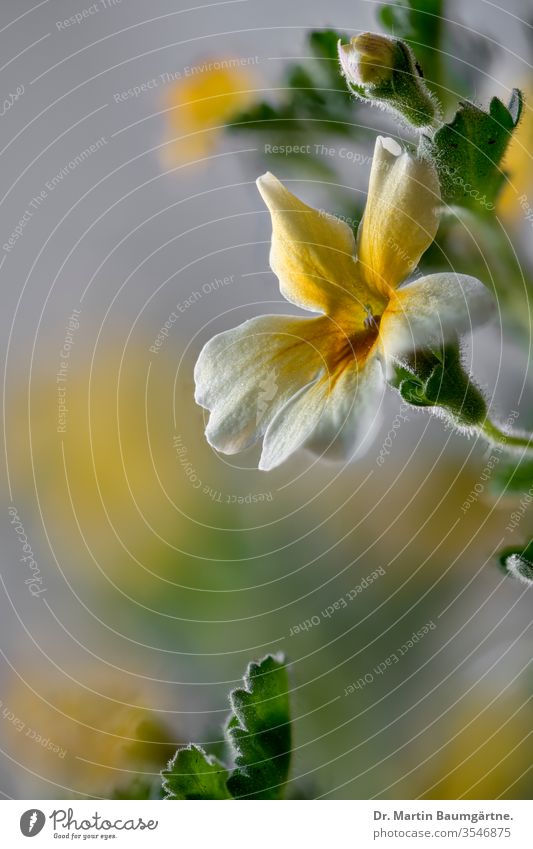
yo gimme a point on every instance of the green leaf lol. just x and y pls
(468, 152)
(192, 774)
(260, 732)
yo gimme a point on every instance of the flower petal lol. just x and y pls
(333, 416)
(351, 418)
(401, 215)
(433, 309)
(291, 426)
(245, 375)
(312, 254)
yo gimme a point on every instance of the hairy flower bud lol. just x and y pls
(368, 59)
(436, 378)
(384, 70)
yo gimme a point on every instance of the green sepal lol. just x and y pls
(405, 92)
(436, 378)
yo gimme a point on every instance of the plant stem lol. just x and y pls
(512, 441)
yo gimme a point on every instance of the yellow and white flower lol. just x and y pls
(318, 382)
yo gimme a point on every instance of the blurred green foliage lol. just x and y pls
(312, 103)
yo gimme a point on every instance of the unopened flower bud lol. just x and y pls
(384, 70)
(431, 378)
(368, 59)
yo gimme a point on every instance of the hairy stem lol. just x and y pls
(511, 441)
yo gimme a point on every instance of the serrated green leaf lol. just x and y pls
(469, 150)
(260, 732)
(192, 774)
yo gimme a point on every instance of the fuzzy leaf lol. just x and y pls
(192, 774)
(469, 150)
(259, 731)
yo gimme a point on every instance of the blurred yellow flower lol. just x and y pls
(198, 106)
(487, 756)
(109, 485)
(86, 738)
(518, 165)
(318, 382)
